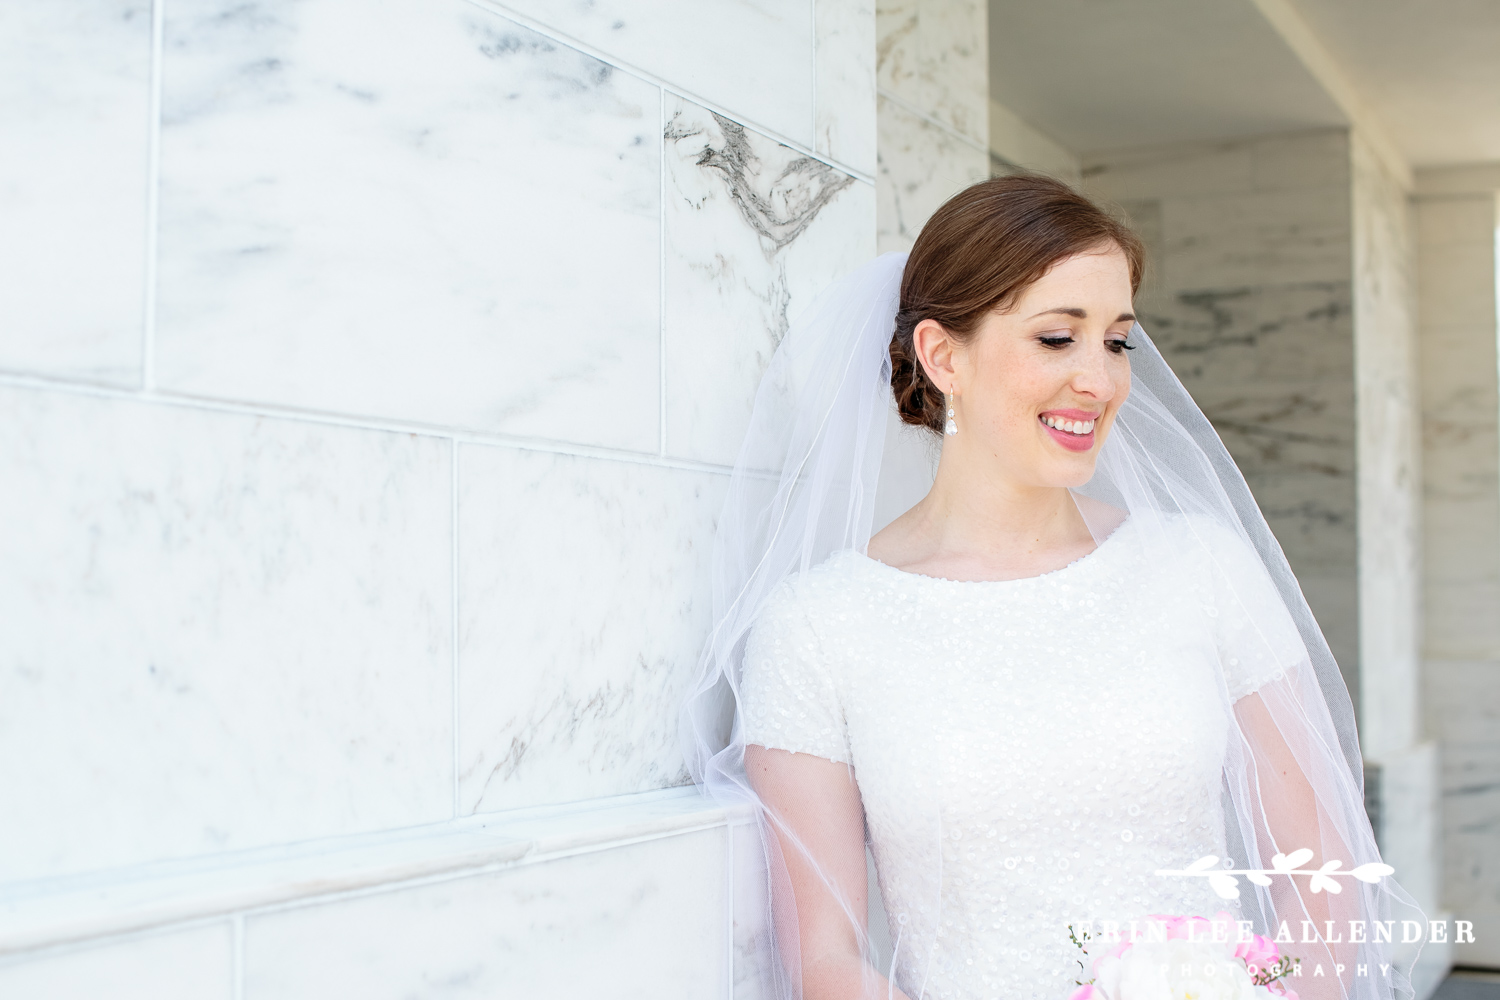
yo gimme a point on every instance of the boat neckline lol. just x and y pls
(887, 567)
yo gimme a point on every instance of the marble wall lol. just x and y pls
(932, 78)
(342, 343)
(1460, 394)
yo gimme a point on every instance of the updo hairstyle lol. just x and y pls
(977, 253)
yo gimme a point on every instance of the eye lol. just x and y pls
(1119, 345)
(1056, 341)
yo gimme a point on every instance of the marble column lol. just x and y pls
(1456, 255)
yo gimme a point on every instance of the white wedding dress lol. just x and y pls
(1028, 751)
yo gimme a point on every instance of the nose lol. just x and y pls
(1095, 375)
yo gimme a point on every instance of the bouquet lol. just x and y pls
(1193, 959)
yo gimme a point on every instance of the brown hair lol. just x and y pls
(977, 253)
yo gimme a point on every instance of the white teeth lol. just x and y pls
(1071, 426)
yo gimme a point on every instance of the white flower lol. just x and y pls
(1177, 970)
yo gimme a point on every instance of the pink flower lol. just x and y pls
(1084, 992)
(1259, 951)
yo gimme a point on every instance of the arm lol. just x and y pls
(815, 802)
(1296, 819)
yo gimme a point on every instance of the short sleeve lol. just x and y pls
(787, 695)
(1257, 639)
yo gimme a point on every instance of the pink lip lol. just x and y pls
(1072, 442)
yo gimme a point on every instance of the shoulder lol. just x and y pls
(815, 606)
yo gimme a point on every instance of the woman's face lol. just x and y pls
(1039, 384)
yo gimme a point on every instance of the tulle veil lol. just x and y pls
(825, 463)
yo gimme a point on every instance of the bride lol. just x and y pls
(1078, 665)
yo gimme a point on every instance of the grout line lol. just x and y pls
(661, 274)
(237, 958)
(324, 418)
(496, 7)
(454, 639)
(968, 140)
(153, 199)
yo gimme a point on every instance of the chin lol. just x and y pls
(1071, 474)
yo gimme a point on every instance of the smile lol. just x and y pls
(1072, 434)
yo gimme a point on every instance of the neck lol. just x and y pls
(976, 514)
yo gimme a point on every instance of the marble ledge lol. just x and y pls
(58, 911)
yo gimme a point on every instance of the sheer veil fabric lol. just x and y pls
(818, 473)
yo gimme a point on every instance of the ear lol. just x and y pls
(934, 349)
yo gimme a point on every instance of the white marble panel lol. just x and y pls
(752, 58)
(186, 965)
(648, 921)
(933, 55)
(75, 93)
(846, 82)
(921, 166)
(753, 230)
(221, 631)
(1257, 238)
(382, 208)
(583, 595)
(1263, 163)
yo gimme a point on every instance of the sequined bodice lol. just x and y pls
(1028, 752)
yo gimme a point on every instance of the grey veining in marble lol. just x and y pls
(754, 230)
(377, 210)
(779, 206)
(583, 594)
(75, 93)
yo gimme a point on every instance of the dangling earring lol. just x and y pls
(951, 428)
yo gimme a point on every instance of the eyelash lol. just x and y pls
(1057, 344)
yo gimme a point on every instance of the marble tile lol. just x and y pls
(921, 166)
(222, 631)
(378, 209)
(752, 58)
(753, 231)
(1183, 171)
(1273, 238)
(583, 596)
(75, 94)
(933, 55)
(1302, 160)
(1228, 334)
(185, 965)
(846, 82)
(647, 921)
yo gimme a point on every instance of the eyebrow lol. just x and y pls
(1077, 313)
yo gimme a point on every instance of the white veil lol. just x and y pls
(807, 483)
